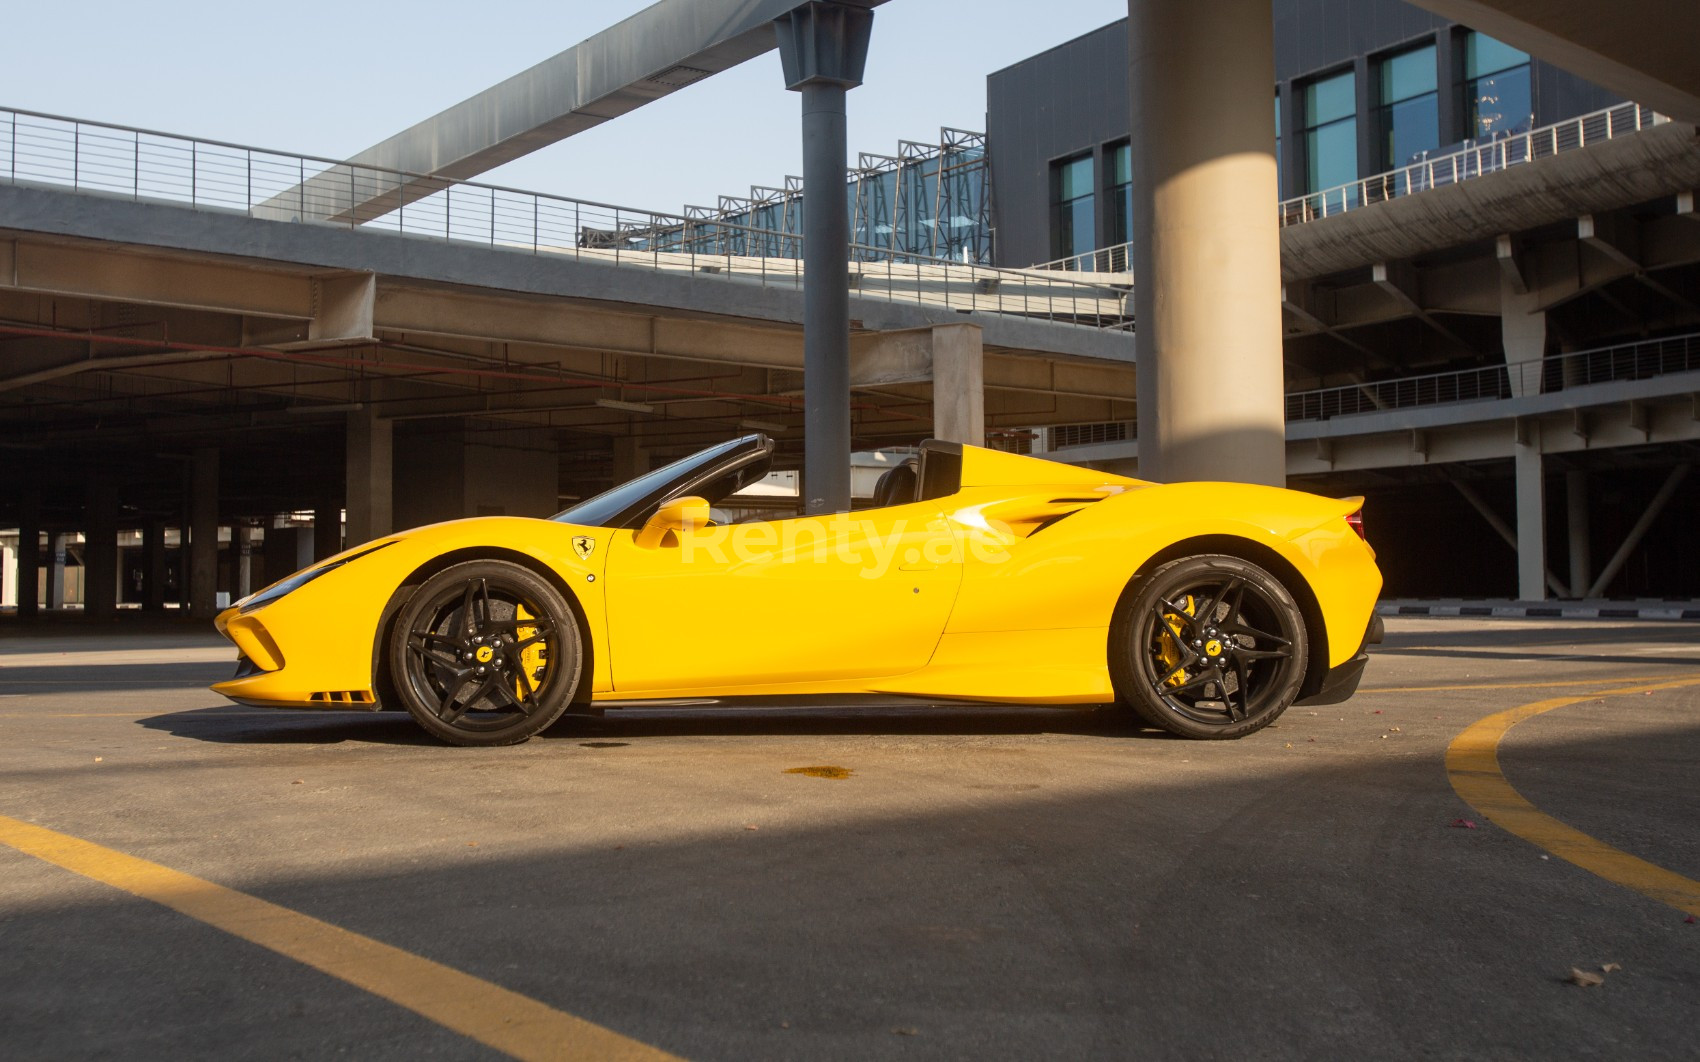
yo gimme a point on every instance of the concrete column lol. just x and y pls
(370, 476)
(1206, 241)
(100, 549)
(823, 47)
(959, 387)
(29, 554)
(304, 550)
(153, 566)
(1523, 331)
(1581, 543)
(1531, 517)
(327, 527)
(57, 543)
(202, 567)
(242, 537)
(630, 460)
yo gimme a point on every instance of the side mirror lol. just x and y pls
(681, 514)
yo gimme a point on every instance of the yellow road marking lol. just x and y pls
(1472, 766)
(1519, 685)
(507, 1021)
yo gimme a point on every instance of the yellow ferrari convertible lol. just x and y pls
(976, 576)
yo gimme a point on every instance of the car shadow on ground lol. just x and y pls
(283, 727)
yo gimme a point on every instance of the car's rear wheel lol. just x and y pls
(486, 653)
(1209, 647)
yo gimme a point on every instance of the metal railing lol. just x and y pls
(1472, 160)
(211, 175)
(1116, 259)
(1631, 361)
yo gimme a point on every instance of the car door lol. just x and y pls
(859, 594)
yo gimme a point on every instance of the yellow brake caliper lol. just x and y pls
(1169, 641)
(534, 657)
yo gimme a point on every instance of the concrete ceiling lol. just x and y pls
(1644, 50)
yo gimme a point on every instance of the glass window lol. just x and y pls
(1408, 116)
(1280, 184)
(1497, 97)
(1073, 219)
(1331, 132)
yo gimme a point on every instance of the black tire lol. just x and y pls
(486, 653)
(1209, 647)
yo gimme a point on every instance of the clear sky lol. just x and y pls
(331, 78)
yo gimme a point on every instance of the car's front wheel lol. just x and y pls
(486, 653)
(1209, 647)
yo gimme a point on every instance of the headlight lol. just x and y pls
(300, 579)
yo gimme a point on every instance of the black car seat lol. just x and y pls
(899, 485)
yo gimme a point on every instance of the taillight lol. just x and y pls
(1356, 519)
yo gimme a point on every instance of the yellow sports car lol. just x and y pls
(976, 575)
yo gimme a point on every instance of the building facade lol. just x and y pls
(1489, 265)
(1362, 87)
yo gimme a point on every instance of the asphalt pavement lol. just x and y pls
(968, 883)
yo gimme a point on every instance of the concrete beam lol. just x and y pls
(153, 279)
(343, 309)
(1399, 279)
(321, 248)
(652, 54)
(1640, 49)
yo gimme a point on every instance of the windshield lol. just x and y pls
(712, 473)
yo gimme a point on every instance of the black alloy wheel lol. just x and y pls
(486, 653)
(1209, 647)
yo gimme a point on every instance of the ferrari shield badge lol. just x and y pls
(584, 546)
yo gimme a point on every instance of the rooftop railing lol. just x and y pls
(217, 176)
(1474, 159)
(1631, 361)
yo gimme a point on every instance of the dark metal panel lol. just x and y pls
(1065, 101)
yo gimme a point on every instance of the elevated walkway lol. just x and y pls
(76, 178)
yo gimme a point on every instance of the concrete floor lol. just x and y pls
(1010, 883)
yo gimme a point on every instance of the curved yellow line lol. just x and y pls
(494, 1016)
(1472, 766)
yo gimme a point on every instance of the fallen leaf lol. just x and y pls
(1289, 744)
(97, 759)
(821, 772)
(472, 844)
(1689, 920)
(784, 1025)
(1610, 966)
(1585, 978)
(751, 826)
(1378, 711)
(1464, 824)
(904, 1030)
(1394, 729)
(296, 782)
